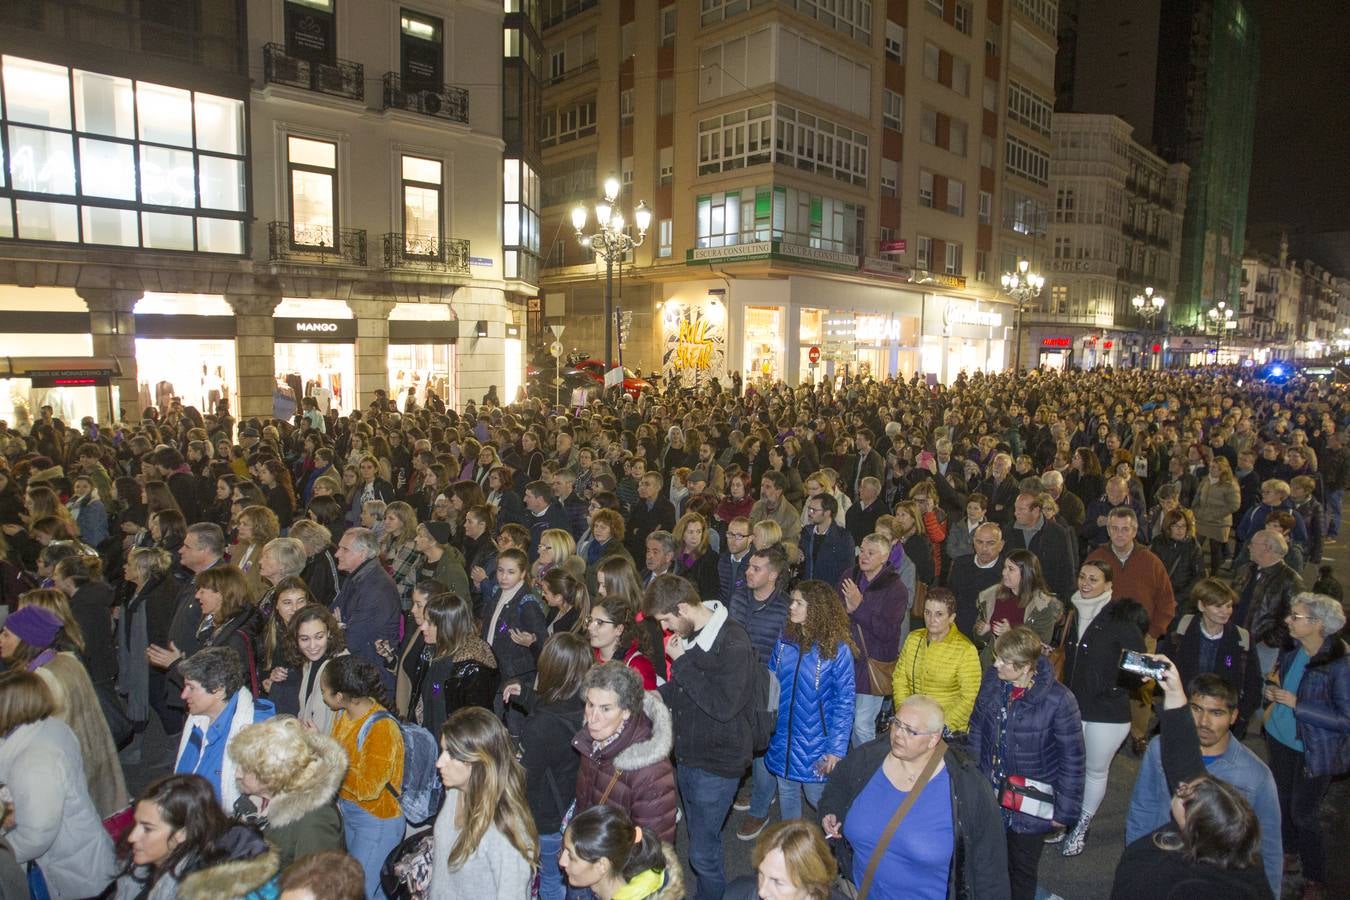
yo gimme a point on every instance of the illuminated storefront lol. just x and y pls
(44, 332)
(315, 355)
(185, 351)
(421, 356)
(962, 336)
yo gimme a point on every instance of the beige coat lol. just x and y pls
(77, 705)
(1214, 505)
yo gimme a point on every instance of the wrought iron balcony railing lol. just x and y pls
(443, 101)
(316, 244)
(427, 253)
(339, 78)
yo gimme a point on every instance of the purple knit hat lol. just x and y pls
(34, 625)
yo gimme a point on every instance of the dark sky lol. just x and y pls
(1301, 157)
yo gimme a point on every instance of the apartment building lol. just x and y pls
(1115, 233)
(846, 177)
(1272, 291)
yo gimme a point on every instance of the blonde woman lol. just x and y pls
(1217, 498)
(555, 545)
(258, 526)
(909, 532)
(825, 481)
(485, 842)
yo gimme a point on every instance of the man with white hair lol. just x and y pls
(1071, 509)
(1265, 589)
(368, 603)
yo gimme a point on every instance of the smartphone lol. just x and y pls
(1136, 663)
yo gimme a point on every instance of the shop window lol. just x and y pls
(422, 196)
(312, 176)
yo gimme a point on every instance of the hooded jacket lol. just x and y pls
(815, 712)
(645, 787)
(305, 819)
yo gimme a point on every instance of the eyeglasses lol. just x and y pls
(594, 621)
(904, 729)
(814, 509)
(738, 534)
(1294, 617)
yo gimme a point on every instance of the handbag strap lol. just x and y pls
(1064, 632)
(872, 864)
(609, 787)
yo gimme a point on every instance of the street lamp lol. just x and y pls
(1221, 317)
(1022, 286)
(611, 242)
(1148, 305)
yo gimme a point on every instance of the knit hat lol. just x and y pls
(34, 625)
(439, 531)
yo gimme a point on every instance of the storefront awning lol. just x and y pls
(62, 371)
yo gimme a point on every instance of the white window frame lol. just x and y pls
(893, 110)
(890, 177)
(925, 188)
(664, 232)
(986, 208)
(932, 61)
(895, 41)
(923, 252)
(953, 254)
(956, 190)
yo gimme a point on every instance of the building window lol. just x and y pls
(986, 208)
(956, 197)
(94, 159)
(665, 96)
(961, 77)
(667, 162)
(668, 25)
(735, 140)
(963, 17)
(568, 180)
(928, 124)
(560, 126)
(312, 175)
(626, 106)
(923, 252)
(779, 213)
(932, 61)
(1044, 13)
(779, 133)
(422, 53)
(982, 265)
(926, 189)
(935, 7)
(1059, 299)
(890, 174)
(850, 17)
(1024, 214)
(953, 261)
(665, 229)
(626, 170)
(893, 110)
(422, 200)
(1029, 108)
(992, 37)
(520, 220)
(956, 137)
(1031, 163)
(1063, 247)
(895, 41)
(991, 95)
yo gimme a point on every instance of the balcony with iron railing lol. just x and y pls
(440, 101)
(426, 253)
(339, 78)
(316, 244)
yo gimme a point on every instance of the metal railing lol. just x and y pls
(443, 101)
(340, 78)
(316, 244)
(426, 252)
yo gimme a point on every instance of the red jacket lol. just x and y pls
(645, 786)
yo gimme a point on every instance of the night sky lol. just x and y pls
(1301, 157)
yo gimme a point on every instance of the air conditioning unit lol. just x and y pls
(429, 102)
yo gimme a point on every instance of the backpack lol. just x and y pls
(421, 793)
(765, 693)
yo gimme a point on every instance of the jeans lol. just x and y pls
(707, 799)
(370, 840)
(866, 708)
(1024, 862)
(790, 796)
(762, 787)
(1333, 512)
(1300, 805)
(552, 882)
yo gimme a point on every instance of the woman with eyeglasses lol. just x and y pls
(615, 634)
(950, 842)
(1308, 726)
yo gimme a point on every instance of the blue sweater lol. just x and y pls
(1151, 802)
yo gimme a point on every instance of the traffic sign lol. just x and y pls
(556, 349)
(813, 355)
(557, 330)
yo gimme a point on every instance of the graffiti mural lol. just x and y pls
(695, 345)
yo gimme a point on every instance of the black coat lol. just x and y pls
(1057, 551)
(446, 685)
(703, 574)
(549, 760)
(320, 573)
(91, 606)
(160, 598)
(980, 851)
(1092, 659)
(643, 520)
(1234, 662)
(1185, 564)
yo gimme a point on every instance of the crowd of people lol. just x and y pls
(526, 651)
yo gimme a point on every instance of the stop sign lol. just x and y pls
(813, 355)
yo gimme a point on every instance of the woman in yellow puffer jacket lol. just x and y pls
(941, 662)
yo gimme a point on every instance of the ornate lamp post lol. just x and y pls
(1221, 317)
(1023, 286)
(611, 241)
(1148, 305)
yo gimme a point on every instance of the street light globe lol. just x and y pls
(1158, 302)
(616, 222)
(611, 188)
(1137, 301)
(603, 209)
(1023, 265)
(643, 217)
(578, 217)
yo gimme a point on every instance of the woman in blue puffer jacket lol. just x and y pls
(814, 664)
(1026, 725)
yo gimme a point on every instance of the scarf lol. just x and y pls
(134, 674)
(644, 884)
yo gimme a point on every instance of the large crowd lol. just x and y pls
(514, 651)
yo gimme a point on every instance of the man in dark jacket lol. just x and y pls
(576, 508)
(972, 573)
(652, 512)
(1048, 541)
(732, 563)
(203, 547)
(544, 513)
(1117, 495)
(827, 549)
(861, 518)
(1001, 489)
(866, 463)
(709, 694)
(368, 603)
(169, 465)
(1265, 590)
(979, 866)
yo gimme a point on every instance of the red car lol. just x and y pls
(633, 383)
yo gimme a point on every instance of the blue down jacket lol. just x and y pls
(1322, 715)
(1044, 741)
(815, 710)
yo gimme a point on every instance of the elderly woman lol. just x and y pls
(951, 842)
(281, 558)
(877, 603)
(55, 824)
(625, 749)
(1308, 725)
(940, 662)
(320, 571)
(288, 778)
(1025, 726)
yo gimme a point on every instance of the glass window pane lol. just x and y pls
(511, 180)
(220, 124)
(511, 225)
(165, 114)
(104, 105)
(107, 169)
(110, 226)
(36, 92)
(418, 169)
(422, 211)
(41, 161)
(167, 177)
(47, 221)
(220, 236)
(167, 232)
(222, 182)
(313, 153)
(6, 218)
(312, 208)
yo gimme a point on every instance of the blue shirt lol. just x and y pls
(918, 861)
(1280, 723)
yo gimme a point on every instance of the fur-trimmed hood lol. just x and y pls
(317, 787)
(643, 753)
(249, 865)
(673, 887)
